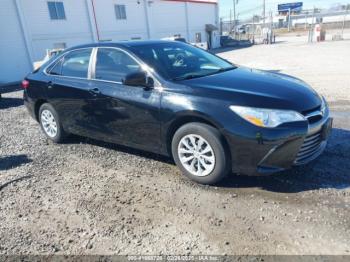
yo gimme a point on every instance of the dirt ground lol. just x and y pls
(89, 197)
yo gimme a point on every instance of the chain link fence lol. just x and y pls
(313, 26)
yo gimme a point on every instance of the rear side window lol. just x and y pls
(74, 64)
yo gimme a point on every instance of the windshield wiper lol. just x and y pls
(187, 77)
(224, 69)
(191, 76)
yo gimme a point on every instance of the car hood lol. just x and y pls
(257, 88)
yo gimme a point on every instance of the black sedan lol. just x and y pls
(174, 99)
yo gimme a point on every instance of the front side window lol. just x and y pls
(178, 61)
(56, 10)
(74, 64)
(114, 64)
(120, 12)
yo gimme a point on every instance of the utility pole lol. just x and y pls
(253, 31)
(289, 20)
(311, 28)
(271, 27)
(221, 25)
(230, 22)
(264, 2)
(234, 15)
(342, 30)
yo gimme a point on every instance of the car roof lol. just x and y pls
(125, 44)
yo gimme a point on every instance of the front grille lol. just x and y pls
(314, 116)
(310, 147)
(306, 112)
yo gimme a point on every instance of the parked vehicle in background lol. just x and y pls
(203, 45)
(224, 39)
(171, 98)
(240, 29)
(49, 53)
(175, 38)
(228, 41)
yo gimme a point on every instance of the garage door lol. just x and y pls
(14, 62)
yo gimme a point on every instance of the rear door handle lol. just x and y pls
(95, 91)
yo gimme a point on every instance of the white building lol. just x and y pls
(29, 27)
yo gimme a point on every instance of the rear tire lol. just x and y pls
(50, 123)
(198, 150)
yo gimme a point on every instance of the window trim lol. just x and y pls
(54, 63)
(94, 59)
(64, 10)
(158, 80)
(142, 65)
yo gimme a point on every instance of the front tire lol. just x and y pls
(50, 123)
(199, 152)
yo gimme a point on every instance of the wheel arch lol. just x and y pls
(192, 117)
(37, 106)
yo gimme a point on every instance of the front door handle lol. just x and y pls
(49, 84)
(95, 91)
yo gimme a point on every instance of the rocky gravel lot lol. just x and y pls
(90, 197)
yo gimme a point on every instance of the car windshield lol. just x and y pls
(178, 61)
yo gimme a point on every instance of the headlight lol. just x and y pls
(323, 106)
(267, 117)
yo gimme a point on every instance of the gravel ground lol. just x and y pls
(89, 197)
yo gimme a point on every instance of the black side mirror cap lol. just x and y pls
(139, 79)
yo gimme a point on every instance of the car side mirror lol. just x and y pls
(139, 79)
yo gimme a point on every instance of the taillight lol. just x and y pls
(25, 84)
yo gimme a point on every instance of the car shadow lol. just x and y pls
(279, 42)
(8, 102)
(330, 170)
(75, 139)
(10, 88)
(9, 162)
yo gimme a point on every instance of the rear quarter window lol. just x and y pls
(73, 64)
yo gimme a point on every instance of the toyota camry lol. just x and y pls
(211, 116)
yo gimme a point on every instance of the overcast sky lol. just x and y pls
(247, 8)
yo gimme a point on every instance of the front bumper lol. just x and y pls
(278, 149)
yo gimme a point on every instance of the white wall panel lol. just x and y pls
(198, 16)
(14, 61)
(112, 29)
(166, 19)
(44, 32)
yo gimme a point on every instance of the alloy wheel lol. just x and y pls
(196, 155)
(48, 123)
